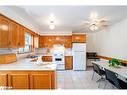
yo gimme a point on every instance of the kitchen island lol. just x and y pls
(25, 74)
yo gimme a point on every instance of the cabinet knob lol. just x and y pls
(18, 43)
(9, 43)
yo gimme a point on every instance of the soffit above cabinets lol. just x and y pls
(68, 18)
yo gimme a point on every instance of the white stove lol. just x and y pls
(58, 57)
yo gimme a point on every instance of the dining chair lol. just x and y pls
(112, 78)
(99, 71)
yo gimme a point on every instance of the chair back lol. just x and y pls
(112, 78)
(96, 68)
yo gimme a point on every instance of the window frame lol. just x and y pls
(22, 51)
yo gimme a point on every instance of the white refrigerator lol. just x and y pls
(79, 56)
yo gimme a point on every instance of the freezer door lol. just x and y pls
(79, 46)
(79, 61)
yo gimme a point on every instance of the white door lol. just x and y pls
(79, 61)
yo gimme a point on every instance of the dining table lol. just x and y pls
(121, 71)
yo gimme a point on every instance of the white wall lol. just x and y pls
(112, 42)
(90, 47)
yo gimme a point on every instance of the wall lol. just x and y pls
(112, 42)
(90, 47)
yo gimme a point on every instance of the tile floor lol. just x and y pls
(70, 79)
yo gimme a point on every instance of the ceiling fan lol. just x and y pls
(95, 24)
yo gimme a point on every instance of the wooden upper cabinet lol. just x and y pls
(4, 32)
(78, 38)
(16, 36)
(68, 42)
(18, 81)
(20, 36)
(36, 41)
(11, 34)
(49, 41)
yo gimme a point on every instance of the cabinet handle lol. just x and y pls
(18, 43)
(9, 43)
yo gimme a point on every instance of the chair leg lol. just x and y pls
(99, 84)
(93, 75)
(105, 84)
(113, 87)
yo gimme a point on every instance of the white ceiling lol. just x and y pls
(70, 18)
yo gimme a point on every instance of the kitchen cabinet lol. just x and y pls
(41, 81)
(36, 41)
(20, 36)
(68, 42)
(4, 32)
(68, 63)
(47, 58)
(28, 79)
(11, 34)
(7, 58)
(49, 41)
(78, 38)
(3, 79)
(16, 36)
(18, 81)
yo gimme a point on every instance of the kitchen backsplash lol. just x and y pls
(7, 51)
(49, 51)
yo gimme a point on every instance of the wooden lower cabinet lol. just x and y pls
(68, 63)
(18, 81)
(3, 79)
(47, 58)
(28, 79)
(41, 81)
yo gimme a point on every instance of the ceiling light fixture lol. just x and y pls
(93, 27)
(51, 25)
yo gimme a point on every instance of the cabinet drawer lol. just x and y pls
(47, 58)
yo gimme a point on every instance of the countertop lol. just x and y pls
(26, 64)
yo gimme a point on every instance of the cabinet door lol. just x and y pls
(68, 63)
(18, 81)
(40, 81)
(21, 36)
(3, 79)
(36, 41)
(78, 38)
(42, 42)
(47, 58)
(4, 32)
(13, 35)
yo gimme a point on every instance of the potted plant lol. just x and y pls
(114, 62)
